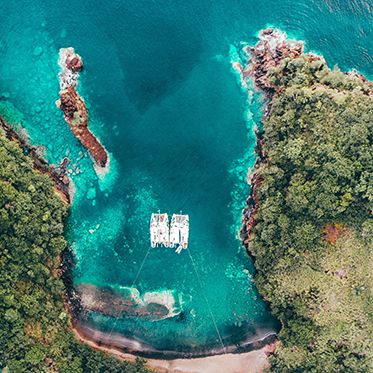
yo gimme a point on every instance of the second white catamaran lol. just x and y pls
(175, 234)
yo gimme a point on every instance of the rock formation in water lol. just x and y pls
(252, 203)
(73, 106)
(128, 303)
(271, 50)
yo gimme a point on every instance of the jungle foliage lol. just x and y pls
(313, 238)
(35, 331)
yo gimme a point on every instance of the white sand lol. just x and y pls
(248, 362)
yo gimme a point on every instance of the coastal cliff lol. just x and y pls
(74, 108)
(308, 221)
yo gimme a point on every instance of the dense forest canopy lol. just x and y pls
(313, 237)
(35, 331)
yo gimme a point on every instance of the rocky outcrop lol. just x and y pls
(127, 302)
(74, 108)
(249, 212)
(272, 48)
(252, 203)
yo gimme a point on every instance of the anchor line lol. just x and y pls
(207, 302)
(133, 284)
(141, 266)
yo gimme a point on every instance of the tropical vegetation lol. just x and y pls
(313, 238)
(35, 328)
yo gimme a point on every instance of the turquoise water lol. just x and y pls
(166, 104)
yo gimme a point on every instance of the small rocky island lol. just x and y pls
(73, 106)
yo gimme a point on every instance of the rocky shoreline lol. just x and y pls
(252, 203)
(273, 47)
(58, 174)
(74, 108)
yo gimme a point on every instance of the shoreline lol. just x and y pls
(249, 349)
(127, 345)
(252, 202)
(126, 348)
(253, 361)
(272, 48)
(57, 174)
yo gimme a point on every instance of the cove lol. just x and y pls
(166, 104)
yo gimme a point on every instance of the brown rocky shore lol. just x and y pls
(252, 203)
(273, 47)
(74, 108)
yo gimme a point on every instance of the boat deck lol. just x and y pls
(175, 234)
(159, 230)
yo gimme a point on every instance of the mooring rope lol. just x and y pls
(206, 300)
(200, 284)
(133, 284)
(141, 266)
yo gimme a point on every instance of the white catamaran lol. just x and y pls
(175, 234)
(159, 231)
(179, 232)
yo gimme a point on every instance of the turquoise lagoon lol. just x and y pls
(166, 104)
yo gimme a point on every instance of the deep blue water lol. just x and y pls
(166, 104)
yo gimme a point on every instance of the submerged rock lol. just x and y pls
(38, 51)
(127, 302)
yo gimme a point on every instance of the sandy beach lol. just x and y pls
(248, 362)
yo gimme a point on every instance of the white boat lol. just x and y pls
(184, 233)
(174, 231)
(159, 230)
(179, 232)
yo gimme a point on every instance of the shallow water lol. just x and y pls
(166, 104)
